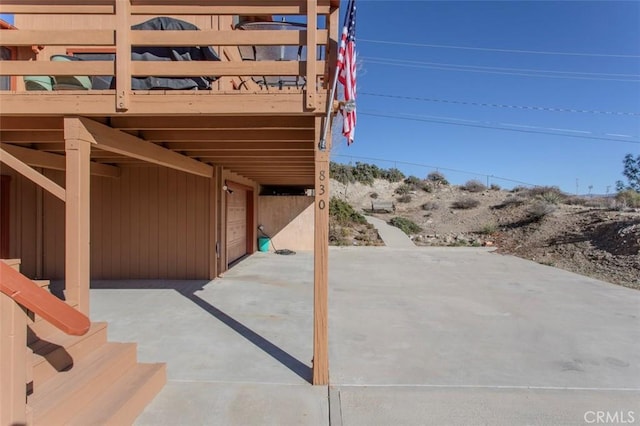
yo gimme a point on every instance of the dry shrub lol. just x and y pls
(465, 203)
(539, 210)
(430, 205)
(509, 202)
(474, 186)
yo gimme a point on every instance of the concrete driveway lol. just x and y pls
(418, 336)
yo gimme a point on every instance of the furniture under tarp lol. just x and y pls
(155, 53)
(138, 53)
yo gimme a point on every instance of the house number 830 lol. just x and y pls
(322, 203)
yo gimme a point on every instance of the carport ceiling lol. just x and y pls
(272, 150)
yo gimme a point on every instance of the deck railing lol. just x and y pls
(318, 39)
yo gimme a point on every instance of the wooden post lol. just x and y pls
(214, 217)
(13, 362)
(321, 262)
(123, 54)
(221, 224)
(332, 46)
(77, 248)
(312, 49)
(39, 232)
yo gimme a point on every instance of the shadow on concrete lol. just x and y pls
(188, 290)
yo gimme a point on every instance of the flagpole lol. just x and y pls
(323, 139)
(322, 146)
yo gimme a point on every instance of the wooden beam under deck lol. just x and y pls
(45, 160)
(35, 124)
(239, 146)
(206, 123)
(32, 174)
(113, 140)
(256, 153)
(101, 103)
(211, 146)
(45, 136)
(274, 135)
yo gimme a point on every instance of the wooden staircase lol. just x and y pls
(84, 380)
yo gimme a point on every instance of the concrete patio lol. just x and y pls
(417, 337)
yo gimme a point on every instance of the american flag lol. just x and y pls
(347, 71)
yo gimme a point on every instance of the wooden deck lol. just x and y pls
(262, 132)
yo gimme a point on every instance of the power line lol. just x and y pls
(491, 49)
(503, 68)
(482, 104)
(435, 168)
(470, 123)
(488, 70)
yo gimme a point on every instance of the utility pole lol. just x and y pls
(577, 187)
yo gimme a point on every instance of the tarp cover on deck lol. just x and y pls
(172, 53)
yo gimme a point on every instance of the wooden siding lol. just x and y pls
(236, 224)
(150, 223)
(53, 230)
(22, 221)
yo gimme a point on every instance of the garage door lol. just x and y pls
(236, 224)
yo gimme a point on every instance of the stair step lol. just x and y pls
(123, 402)
(60, 397)
(58, 351)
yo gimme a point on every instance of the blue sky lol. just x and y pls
(591, 62)
(396, 43)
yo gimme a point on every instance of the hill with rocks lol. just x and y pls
(593, 236)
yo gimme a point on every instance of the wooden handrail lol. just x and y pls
(39, 301)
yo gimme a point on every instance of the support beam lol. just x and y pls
(312, 41)
(35, 158)
(239, 146)
(222, 221)
(158, 103)
(321, 263)
(260, 135)
(123, 54)
(214, 214)
(119, 142)
(31, 136)
(77, 213)
(199, 123)
(31, 174)
(27, 123)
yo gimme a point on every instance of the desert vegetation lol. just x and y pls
(597, 236)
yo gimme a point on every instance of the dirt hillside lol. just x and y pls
(594, 237)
